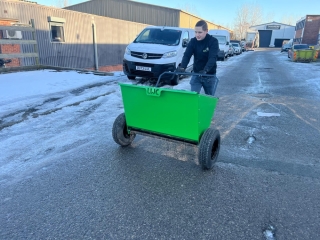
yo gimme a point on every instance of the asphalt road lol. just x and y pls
(265, 185)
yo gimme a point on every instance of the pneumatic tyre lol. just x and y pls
(120, 133)
(209, 148)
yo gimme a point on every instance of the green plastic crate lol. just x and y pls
(175, 113)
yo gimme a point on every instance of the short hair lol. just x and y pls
(202, 24)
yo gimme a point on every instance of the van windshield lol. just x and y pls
(221, 39)
(169, 37)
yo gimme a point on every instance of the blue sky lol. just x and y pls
(223, 12)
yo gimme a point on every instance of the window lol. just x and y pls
(56, 29)
(186, 36)
(170, 37)
(185, 39)
(57, 34)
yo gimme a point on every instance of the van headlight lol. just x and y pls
(127, 51)
(170, 54)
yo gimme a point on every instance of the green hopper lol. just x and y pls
(169, 114)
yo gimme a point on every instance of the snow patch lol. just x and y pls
(262, 114)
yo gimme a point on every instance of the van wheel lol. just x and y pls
(223, 58)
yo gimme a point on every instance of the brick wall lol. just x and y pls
(311, 29)
(9, 48)
(298, 33)
(111, 68)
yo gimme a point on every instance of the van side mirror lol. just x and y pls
(184, 43)
(227, 43)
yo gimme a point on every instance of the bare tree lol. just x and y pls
(62, 3)
(241, 22)
(289, 19)
(255, 14)
(247, 15)
(190, 9)
(269, 17)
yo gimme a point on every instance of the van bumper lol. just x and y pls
(130, 69)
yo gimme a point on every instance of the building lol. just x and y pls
(75, 39)
(9, 48)
(308, 30)
(141, 12)
(67, 38)
(273, 34)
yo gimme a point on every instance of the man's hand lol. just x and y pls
(180, 70)
(202, 72)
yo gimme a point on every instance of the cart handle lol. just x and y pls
(183, 73)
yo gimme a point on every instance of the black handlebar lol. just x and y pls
(183, 73)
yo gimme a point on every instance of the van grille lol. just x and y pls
(149, 55)
(143, 64)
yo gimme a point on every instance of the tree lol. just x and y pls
(269, 17)
(190, 9)
(289, 19)
(247, 15)
(62, 3)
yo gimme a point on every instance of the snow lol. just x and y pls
(262, 114)
(46, 113)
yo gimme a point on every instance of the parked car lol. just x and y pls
(237, 48)
(223, 37)
(243, 46)
(157, 49)
(296, 47)
(231, 50)
(285, 47)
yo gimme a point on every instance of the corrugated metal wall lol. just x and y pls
(141, 12)
(77, 51)
(130, 11)
(189, 21)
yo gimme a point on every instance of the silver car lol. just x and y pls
(237, 48)
(231, 50)
(285, 47)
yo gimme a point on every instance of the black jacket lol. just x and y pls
(205, 54)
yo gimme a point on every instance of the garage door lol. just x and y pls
(278, 42)
(264, 38)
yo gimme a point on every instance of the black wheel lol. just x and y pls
(119, 131)
(223, 58)
(131, 77)
(209, 148)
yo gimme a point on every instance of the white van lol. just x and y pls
(157, 49)
(223, 37)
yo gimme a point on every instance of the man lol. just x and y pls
(205, 49)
